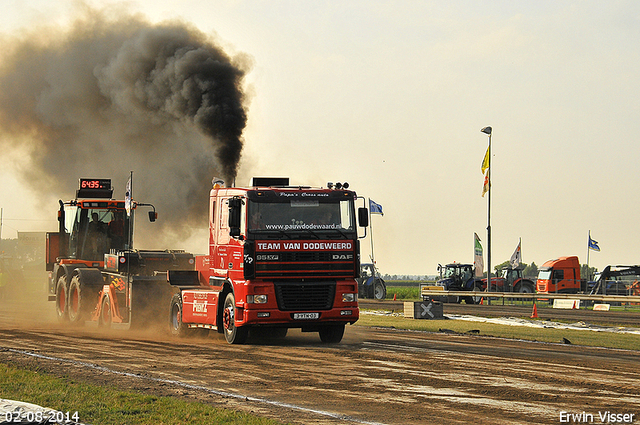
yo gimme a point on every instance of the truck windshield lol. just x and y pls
(450, 272)
(544, 274)
(95, 231)
(312, 215)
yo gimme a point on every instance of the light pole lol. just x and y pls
(487, 130)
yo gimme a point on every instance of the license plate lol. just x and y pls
(306, 316)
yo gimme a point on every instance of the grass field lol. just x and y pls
(576, 337)
(108, 406)
(407, 293)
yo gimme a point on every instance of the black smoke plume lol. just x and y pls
(111, 95)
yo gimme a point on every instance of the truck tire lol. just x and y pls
(176, 326)
(379, 290)
(331, 334)
(267, 334)
(106, 313)
(474, 299)
(74, 297)
(232, 333)
(83, 291)
(525, 287)
(62, 311)
(278, 333)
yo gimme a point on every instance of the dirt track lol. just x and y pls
(373, 376)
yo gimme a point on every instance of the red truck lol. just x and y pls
(511, 280)
(280, 257)
(561, 275)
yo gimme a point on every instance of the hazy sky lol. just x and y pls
(390, 96)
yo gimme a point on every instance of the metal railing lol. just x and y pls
(519, 295)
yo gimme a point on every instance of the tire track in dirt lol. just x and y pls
(373, 376)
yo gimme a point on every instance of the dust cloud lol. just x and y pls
(113, 93)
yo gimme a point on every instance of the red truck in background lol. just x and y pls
(561, 275)
(511, 280)
(279, 257)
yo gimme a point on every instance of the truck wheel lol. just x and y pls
(106, 313)
(279, 333)
(177, 327)
(379, 290)
(474, 299)
(331, 334)
(524, 288)
(232, 333)
(61, 299)
(267, 334)
(77, 301)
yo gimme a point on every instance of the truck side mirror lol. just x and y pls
(235, 209)
(153, 216)
(363, 217)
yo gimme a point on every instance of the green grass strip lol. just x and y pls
(109, 406)
(576, 337)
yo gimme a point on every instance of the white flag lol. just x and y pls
(516, 258)
(127, 198)
(478, 262)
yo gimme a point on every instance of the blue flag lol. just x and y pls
(375, 208)
(593, 244)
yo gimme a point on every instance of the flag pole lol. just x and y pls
(487, 130)
(129, 198)
(130, 214)
(371, 236)
(588, 249)
(489, 219)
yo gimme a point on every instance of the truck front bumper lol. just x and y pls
(295, 319)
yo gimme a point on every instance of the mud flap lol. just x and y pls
(150, 301)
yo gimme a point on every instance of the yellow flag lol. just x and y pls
(485, 161)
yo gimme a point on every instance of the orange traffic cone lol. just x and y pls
(534, 313)
(394, 297)
(574, 306)
(482, 301)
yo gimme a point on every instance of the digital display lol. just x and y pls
(94, 188)
(104, 184)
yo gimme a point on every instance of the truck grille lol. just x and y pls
(304, 270)
(305, 295)
(308, 264)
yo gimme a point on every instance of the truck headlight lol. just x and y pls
(349, 298)
(256, 299)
